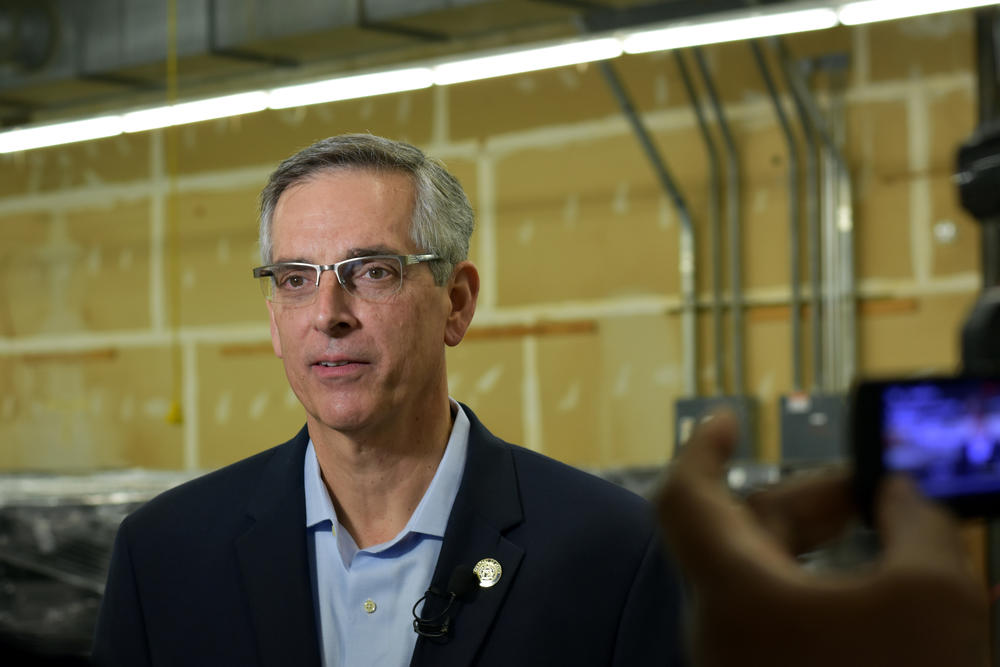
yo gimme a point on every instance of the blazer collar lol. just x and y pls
(274, 563)
(487, 506)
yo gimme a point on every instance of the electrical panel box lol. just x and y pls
(813, 429)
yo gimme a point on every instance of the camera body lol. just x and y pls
(943, 432)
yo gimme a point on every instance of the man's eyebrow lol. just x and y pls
(374, 250)
(353, 253)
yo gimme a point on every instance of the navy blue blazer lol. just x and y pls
(216, 572)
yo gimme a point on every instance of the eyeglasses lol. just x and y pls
(374, 278)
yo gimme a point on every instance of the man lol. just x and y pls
(320, 551)
(917, 605)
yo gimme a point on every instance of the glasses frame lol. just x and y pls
(268, 270)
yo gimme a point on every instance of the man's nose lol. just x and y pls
(333, 306)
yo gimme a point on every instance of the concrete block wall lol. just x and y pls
(125, 289)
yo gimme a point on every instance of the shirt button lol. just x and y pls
(370, 606)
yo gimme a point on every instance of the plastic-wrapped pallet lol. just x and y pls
(56, 534)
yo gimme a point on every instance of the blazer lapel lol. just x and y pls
(274, 563)
(487, 505)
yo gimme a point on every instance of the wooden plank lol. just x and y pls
(246, 349)
(104, 354)
(866, 307)
(569, 327)
(537, 329)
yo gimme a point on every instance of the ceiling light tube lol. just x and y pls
(350, 87)
(871, 11)
(527, 60)
(60, 133)
(194, 112)
(735, 28)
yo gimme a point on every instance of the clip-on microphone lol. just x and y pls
(462, 583)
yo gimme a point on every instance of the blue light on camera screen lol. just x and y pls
(945, 435)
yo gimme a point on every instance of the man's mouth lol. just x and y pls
(333, 364)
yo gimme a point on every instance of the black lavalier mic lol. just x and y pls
(461, 584)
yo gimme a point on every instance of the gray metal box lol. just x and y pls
(813, 429)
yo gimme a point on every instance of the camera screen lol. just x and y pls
(944, 434)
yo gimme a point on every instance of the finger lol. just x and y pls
(710, 447)
(803, 513)
(698, 469)
(915, 529)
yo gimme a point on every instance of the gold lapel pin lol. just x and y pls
(488, 570)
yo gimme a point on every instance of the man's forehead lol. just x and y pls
(337, 176)
(342, 213)
(341, 191)
(350, 253)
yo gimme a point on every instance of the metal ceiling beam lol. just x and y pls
(124, 42)
(617, 19)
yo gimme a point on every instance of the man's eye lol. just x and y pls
(291, 280)
(375, 270)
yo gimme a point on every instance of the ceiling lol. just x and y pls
(63, 58)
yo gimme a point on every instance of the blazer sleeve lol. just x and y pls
(650, 631)
(120, 635)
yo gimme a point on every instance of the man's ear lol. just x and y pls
(275, 338)
(463, 290)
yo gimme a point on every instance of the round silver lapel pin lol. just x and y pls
(488, 570)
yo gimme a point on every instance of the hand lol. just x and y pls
(752, 602)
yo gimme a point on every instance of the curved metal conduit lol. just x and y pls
(794, 216)
(812, 214)
(844, 218)
(715, 194)
(733, 195)
(687, 239)
(841, 258)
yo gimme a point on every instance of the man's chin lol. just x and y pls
(344, 419)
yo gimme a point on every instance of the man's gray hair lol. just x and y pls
(442, 216)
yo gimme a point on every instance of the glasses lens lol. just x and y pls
(266, 286)
(372, 278)
(289, 283)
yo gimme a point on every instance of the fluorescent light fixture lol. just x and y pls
(527, 60)
(350, 87)
(754, 23)
(193, 112)
(59, 133)
(737, 27)
(870, 11)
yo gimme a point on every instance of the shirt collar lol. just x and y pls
(431, 515)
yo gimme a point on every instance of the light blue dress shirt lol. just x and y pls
(364, 597)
